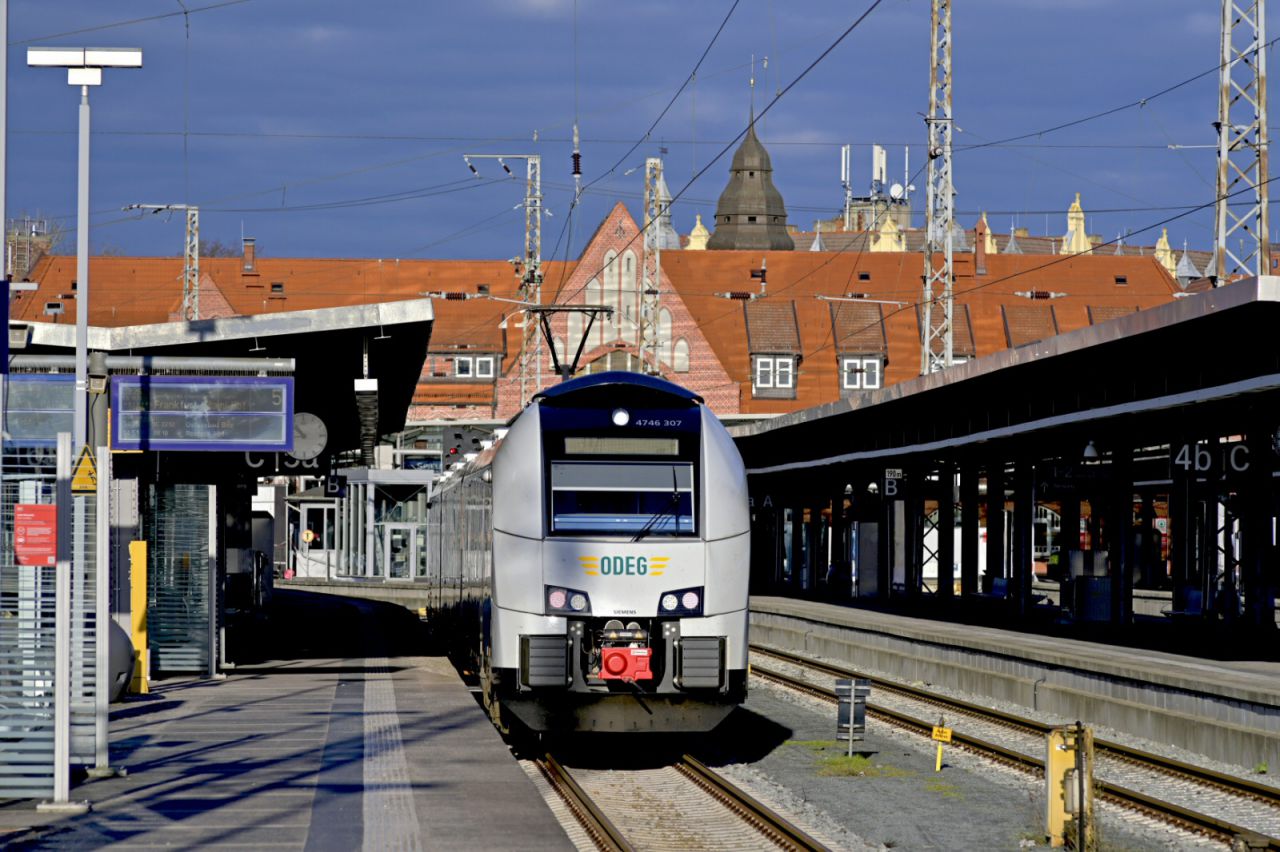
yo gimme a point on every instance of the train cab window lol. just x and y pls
(653, 498)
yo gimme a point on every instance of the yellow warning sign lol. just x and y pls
(84, 479)
(941, 734)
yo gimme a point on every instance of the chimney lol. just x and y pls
(980, 247)
(250, 258)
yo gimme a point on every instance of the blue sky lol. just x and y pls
(291, 121)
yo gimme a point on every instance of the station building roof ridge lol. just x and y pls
(134, 291)
(1238, 295)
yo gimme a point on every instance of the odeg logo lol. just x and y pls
(619, 566)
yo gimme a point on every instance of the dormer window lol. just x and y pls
(859, 372)
(474, 366)
(773, 376)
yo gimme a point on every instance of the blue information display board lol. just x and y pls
(202, 413)
(39, 406)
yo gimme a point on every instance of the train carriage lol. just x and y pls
(605, 540)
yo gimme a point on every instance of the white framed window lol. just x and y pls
(484, 367)
(764, 372)
(775, 372)
(784, 372)
(857, 373)
(463, 366)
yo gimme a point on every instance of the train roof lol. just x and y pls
(621, 380)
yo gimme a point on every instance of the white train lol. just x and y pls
(605, 542)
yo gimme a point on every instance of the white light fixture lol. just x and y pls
(1090, 451)
(621, 417)
(84, 69)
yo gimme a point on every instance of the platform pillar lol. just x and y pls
(1148, 550)
(1257, 545)
(1022, 565)
(1120, 535)
(969, 510)
(916, 529)
(995, 524)
(1182, 539)
(1068, 533)
(946, 530)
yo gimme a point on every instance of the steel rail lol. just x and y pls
(1108, 790)
(594, 822)
(1173, 766)
(759, 816)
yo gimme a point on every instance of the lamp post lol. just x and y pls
(84, 69)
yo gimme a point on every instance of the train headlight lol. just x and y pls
(681, 602)
(621, 417)
(560, 601)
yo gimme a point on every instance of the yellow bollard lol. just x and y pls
(941, 734)
(1068, 775)
(140, 684)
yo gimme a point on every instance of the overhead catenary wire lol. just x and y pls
(631, 150)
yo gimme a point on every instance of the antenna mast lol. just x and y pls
(846, 182)
(939, 281)
(651, 279)
(1242, 143)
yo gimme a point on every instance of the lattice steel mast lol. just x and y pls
(529, 266)
(651, 277)
(190, 255)
(939, 280)
(1242, 142)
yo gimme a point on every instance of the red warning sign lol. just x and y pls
(35, 534)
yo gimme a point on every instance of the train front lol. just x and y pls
(620, 561)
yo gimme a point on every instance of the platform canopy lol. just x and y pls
(1181, 371)
(329, 347)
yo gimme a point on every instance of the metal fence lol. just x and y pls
(27, 632)
(180, 577)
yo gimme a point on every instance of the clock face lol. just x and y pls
(310, 436)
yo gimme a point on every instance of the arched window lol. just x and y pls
(573, 334)
(664, 335)
(596, 297)
(610, 291)
(629, 297)
(680, 360)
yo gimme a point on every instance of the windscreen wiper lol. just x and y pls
(669, 510)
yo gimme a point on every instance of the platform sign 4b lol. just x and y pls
(84, 477)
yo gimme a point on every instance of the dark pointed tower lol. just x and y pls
(750, 213)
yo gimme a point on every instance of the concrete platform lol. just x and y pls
(1228, 711)
(316, 753)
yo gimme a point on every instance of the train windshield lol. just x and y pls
(640, 498)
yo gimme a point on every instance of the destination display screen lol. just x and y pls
(38, 407)
(598, 446)
(202, 413)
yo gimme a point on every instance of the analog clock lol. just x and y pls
(310, 436)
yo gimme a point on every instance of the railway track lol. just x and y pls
(1193, 797)
(685, 806)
